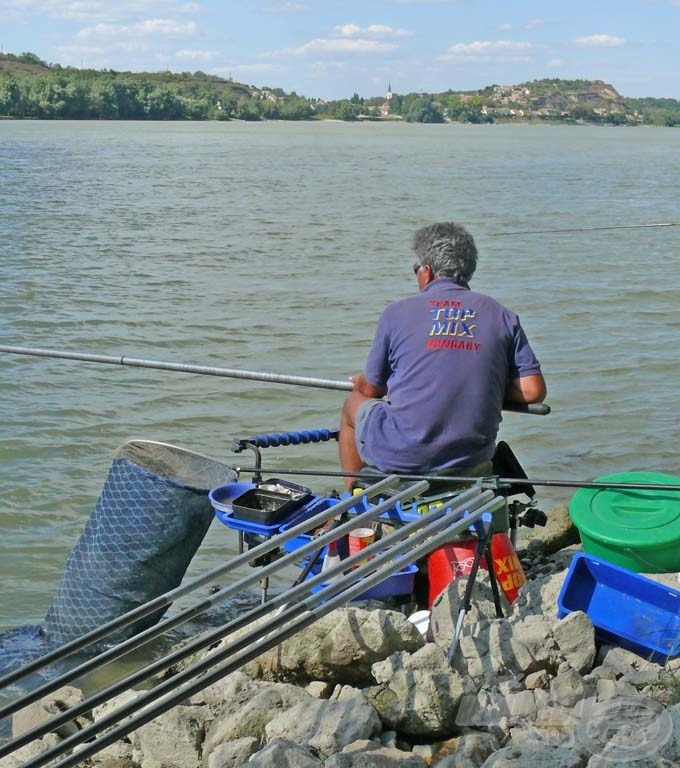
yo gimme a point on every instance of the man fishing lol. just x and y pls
(442, 364)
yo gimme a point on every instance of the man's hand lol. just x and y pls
(364, 387)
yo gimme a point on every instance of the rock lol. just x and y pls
(623, 661)
(558, 533)
(371, 754)
(319, 689)
(569, 688)
(637, 732)
(339, 647)
(430, 657)
(39, 712)
(575, 636)
(532, 754)
(242, 707)
(172, 740)
(538, 679)
(469, 750)
(232, 754)
(325, 727)
(612, 689)
(24, 754)
(446, 607)
(538, 596)
(502, 647)
(420, 701)
(284, 753)
(116, 755)
(555, 726)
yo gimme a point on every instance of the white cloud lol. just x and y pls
(286, 8)
(600, 41)
(505, 27)
(372, 30)
(322, 46)
(148, 27)
(78, 52)
(94, 10)
(554, 63)
(196, 55)
(533, 24)
(487, 49)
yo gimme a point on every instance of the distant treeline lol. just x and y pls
(31, 88)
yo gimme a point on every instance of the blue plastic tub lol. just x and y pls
(399, 583)
(626, 609)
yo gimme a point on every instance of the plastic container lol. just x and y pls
(399, 583)
(267, 507)
(627, 609)
(637, 529)
(222, 497)
(455, 559)
(406, 512)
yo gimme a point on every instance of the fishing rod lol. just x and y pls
(338, 590)
(165, 600)
(399, 542)
(539, 409)
(582, 229)
(491, 479)
(292, 557)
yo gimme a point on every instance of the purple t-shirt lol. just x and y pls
(446, 356)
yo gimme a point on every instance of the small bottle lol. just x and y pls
(331, 557)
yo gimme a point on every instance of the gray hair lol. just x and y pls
(448, 248)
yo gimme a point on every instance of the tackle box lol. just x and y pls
(261, 509)
(626, 609)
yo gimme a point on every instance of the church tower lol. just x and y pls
(389, 91)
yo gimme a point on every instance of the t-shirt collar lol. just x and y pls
(441, 281)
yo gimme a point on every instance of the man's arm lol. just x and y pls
(528, 389)
(364, 387)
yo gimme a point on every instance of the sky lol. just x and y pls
(331, 50)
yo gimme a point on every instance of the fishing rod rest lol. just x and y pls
(286, 438)
(276, 439)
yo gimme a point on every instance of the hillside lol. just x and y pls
(31, 88)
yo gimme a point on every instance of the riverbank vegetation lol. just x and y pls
(32, 88)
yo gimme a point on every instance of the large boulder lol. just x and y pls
(242, 707)
(340, 647)
(418, 695)
(326, 727)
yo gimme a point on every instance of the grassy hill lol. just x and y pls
(31, 88)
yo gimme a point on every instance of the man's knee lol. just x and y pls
(353, 402)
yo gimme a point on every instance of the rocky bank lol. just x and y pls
(363, 688)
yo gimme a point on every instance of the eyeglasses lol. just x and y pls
(417, 267)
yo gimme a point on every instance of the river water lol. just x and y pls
(273, 247)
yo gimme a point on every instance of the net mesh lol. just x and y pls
(149, 520)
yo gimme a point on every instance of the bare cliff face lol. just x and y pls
(561, 95)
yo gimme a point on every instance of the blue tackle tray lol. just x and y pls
(626, 609)
(222, 499)
(399, 583)
(402, 511)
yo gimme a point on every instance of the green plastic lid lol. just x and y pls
(630, 518)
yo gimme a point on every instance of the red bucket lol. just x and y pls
(455, 559)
